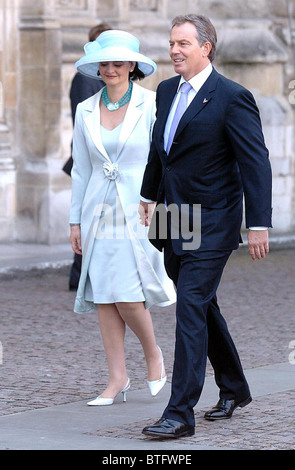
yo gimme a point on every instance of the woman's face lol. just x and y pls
(115, 73)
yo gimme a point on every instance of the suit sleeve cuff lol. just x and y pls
(146, 200)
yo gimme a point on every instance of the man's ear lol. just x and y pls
(206, 47)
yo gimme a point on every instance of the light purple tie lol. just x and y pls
(181, 107)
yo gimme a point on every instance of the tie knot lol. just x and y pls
(185, 87)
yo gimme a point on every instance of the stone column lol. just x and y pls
(41, 208)
(7, 164)
(255, 49)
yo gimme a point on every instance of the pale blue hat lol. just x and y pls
(110, 46)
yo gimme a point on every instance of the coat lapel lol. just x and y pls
(92, 121)
(133, 114)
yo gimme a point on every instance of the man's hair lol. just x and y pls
(95, 31)
(205, 30)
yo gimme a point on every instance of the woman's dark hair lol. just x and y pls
(137, 74)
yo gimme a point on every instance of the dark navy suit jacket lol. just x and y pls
(218, 155)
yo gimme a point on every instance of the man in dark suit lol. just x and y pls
(216, 156)
(82, 87)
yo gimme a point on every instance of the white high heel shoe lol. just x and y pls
(100, 401)
(156, 385)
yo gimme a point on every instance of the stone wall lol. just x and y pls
(8, 73)
(39, 44)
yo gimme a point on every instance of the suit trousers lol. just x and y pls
(201, 331)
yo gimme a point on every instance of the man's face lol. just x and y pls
(188, 57)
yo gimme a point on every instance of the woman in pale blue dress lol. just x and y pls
(122, 273)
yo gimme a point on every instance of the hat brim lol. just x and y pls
(89, 64)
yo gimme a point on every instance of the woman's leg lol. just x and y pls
(112, 328)
(139, 320)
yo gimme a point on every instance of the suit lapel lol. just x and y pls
(200, 101)
(169, 94)
(163, 110)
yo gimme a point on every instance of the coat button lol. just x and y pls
(168, 168)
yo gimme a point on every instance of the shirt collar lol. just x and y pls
(198, 80)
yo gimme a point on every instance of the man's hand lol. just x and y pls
(146, 210)
(258, 243)
(75, 239)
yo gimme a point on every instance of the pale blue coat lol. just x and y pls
(91, 171)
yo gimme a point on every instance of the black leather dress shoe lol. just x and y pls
(225, 408)
(169, 428)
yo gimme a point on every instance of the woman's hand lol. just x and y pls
(75, 239)
(146, 210)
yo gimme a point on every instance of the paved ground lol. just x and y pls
(52, 360)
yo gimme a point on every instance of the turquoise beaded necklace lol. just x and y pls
(114, 106)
